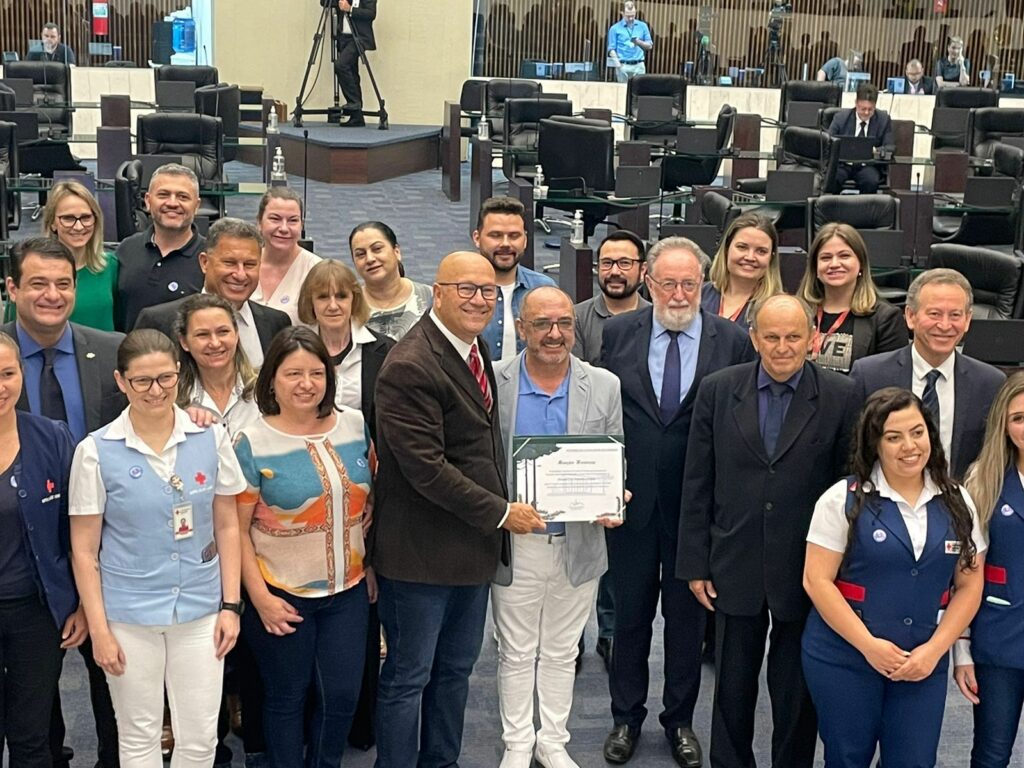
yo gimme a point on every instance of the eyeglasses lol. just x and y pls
(145, 383)
(543, 325)
(624, 264)
(670, 286)
(468, 290)
(68, 221)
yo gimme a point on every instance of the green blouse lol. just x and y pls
(94, 297)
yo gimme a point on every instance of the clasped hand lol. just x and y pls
(891, 661)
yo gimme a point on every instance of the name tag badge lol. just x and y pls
(1006, 510)
(182, 517)
(952, 547)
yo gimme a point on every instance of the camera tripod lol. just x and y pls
(327, 24)
(774, 67)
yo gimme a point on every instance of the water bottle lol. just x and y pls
(277, 172)
(539, 190)
(577, 228)
(272, 121)
(484, 129)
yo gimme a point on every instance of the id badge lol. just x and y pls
(182, 518)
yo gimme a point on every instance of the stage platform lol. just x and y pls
(354, 155)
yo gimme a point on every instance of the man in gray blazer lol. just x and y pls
(540, 615)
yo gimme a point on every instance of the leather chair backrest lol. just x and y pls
(810, 149)
(501, 90)
(199, 139)
(576, 152)
(966, 98)
(8, 103)
(657, 85)
(129, 205)
(51, 84)
(10, 207)
(523, 116)
(121, 64)
(826, 116)
(200, 75)
(859, 211)
(717, 210)
(995, 277)
(986, 126)
(223, 101)
(1008, 160)
(826, 94)
(473, 97)
(724, 125)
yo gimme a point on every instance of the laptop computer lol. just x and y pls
(696, 141)
(896, 85)
(171, 94)
(637, 181)
(854, 79)
(856, 148)
(995, 341)
(789, 186)
(24, 93)
(884, 246)
(803, 114)
(151, 162)
(655, 109)
(989, 191)
(27, 125)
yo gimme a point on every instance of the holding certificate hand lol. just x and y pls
(544, 390)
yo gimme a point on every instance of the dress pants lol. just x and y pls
(605, 608)
(642, 564)
(538, 618)
(867, 177)
(346, 67)
(739, 652)
(996, 718)
(434, 634)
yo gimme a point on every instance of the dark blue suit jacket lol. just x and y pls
(975, 385)
(41, 472)
(845, 123)
(656, 452)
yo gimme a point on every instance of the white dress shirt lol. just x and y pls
(944, 388)
(248, 336)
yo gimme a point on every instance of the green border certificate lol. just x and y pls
(570, 478)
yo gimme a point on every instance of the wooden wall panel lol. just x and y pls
(890, 32)
(130, 25)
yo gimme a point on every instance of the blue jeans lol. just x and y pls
(1001, 690)
(327, 650)
(434, 635)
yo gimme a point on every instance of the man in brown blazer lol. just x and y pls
(440, 519)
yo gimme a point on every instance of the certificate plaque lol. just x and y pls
(570, 478)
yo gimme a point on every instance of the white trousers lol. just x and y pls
(626, 72)
(182, 657)
(539, 619)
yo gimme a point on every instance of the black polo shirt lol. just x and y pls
(147, 277)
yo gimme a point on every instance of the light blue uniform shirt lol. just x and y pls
(621, 37)
(65, 367)
(689, 344)
(538, 413)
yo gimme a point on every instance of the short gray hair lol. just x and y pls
(176, 169)
(938, 276)
(759, 304)
(915, 63)
(676, 244)
(236, 228)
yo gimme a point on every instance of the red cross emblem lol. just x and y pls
(50, 486)
(200, 478)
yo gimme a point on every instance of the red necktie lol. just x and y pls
(476, 367)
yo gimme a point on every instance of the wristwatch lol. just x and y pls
(233, 607)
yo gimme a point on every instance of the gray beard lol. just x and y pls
(675, 319)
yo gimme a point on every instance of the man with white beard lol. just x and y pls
(660, 355)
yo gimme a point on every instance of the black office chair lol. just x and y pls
(8, 101)
(1008, 160)
(995, 277)
(521, 129)
(198, 139)
(121, 64)
(51, 91)
(988, 126)
(823, 93)
(826, 116)
(961, 99)
(10, 202)
(497, 93)
(223, 101)
(859, 211)
(187, 73)
(803, 149)
(680, 170)
(473, 99)
(656, 85)
(129, 202)
(578, 156)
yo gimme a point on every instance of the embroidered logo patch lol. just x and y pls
(879, 536)
(135, 472)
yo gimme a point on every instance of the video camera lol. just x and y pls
(777, 15)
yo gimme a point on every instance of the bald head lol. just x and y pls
(464, 294)
(780, 302)
(546, 295)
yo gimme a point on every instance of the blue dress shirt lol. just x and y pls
(66, 368)
(689, 344)
(620, 37)
(538, 413)
(764, 392)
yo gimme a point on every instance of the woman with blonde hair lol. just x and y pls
(852, 321)
(284, 263)
(989, 665)
(73, 216)
(745, 269)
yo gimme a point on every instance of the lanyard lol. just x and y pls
(818, 339)
(735, 315)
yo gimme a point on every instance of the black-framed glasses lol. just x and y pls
(543, 324)
(624, 264)
(69, 221)
(670, 286)
(145, 383)
(468, 290)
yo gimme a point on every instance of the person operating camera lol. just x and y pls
(356, 21)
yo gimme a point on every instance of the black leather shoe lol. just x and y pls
(685, 748)
(621, 744)
(604, 650)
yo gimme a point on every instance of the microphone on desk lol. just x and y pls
(917, 217)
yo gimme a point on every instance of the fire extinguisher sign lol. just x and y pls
(100, 23)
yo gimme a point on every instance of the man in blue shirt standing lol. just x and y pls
(628, 42)
(500, 237)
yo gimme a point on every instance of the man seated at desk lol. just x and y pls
(918, 83)
(864, 120)
(53, 49)
(836, 69)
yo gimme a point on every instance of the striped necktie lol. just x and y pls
(476, 367)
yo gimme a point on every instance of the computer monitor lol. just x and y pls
(24, 92)
(896, 85)
(35, 46)
(854, 79)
